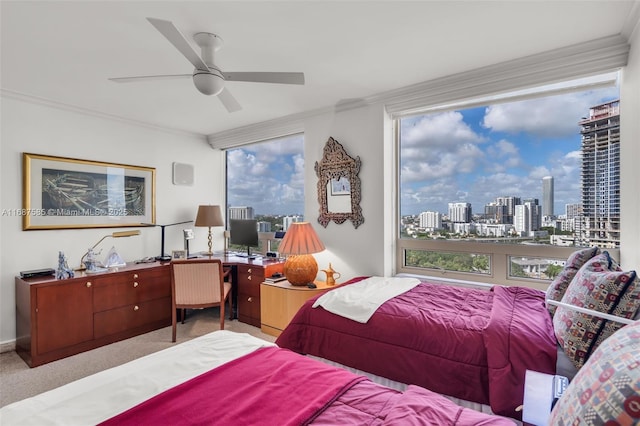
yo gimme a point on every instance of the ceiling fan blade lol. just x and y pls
(176, 38)
(148, 78)
(229, 102)
(266, 77)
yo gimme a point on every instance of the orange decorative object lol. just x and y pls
(299, 242)
(300, 269)
(331, 275)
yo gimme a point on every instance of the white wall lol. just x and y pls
(630, 156)
(364, 132)
(42, 129)
(351, 251)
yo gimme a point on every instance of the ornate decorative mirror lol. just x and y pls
(338, 185)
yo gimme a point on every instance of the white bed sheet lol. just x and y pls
(359, 301)
(101, 396)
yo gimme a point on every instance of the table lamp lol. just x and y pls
(112, 235)
(209, 216)
(299, 242)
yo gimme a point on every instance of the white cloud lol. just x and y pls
(438, 145)
(268, 176)
(553, 116)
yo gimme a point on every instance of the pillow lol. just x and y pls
(559, 285)
(607, 389)
(599, 285)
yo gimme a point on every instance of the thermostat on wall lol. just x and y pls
(182, 174)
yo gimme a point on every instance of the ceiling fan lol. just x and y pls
(207, 77)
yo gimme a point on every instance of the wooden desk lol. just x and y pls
(59, 318)
(280, 301)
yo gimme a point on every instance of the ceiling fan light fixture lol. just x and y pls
(208, 83)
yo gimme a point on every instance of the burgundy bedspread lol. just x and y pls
(467, 343)
(272, 386)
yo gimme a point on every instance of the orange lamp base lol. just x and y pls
(300, 269)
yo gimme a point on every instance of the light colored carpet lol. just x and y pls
(18, 381)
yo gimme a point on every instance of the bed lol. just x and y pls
(466, 343)
(232, 378)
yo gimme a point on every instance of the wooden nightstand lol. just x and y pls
(280, 301)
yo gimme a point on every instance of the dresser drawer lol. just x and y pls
(250, 273)
(125, 318)
(130, 288)
(249, 309)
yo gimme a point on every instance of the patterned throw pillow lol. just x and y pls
(607, 389)
(600, 286)
(559, 285)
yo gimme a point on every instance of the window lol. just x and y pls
(265, 182)
(502, 189)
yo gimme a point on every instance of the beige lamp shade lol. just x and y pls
(299, 242)
(209, 216)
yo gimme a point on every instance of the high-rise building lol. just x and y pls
(547, 196)
(601, 175)
(241, 213)
(535, 212)
(460, 212)
(264, 226)
(511, 203)
(430, 220)
(573, 210)
(288, 220)
(527, 216)
(495, 213)
(573, 222)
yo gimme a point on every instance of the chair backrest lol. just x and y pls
(197, 282)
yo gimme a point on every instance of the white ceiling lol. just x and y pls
(64, 52)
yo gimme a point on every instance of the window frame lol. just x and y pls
(499, 253)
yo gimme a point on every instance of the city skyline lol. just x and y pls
(478, 154)
(473, 155)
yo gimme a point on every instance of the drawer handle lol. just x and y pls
(88, 284)
(135, 276)
(249, 277)
(249, 270)
(135, 283)
(250, 299)
(135, 308)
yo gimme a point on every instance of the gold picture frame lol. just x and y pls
(69, 193)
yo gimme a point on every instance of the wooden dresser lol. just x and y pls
(59, 318)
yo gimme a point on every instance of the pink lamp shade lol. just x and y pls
(299, 242)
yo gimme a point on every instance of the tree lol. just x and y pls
(552, 271)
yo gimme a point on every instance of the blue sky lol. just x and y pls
(472, 155)
(478, 154)
(268, 176)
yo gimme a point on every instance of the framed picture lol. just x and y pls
(60, 192)
(178, 254)
(340, 186)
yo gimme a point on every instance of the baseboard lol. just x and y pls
(7, 346)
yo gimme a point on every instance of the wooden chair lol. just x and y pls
(197, 284)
